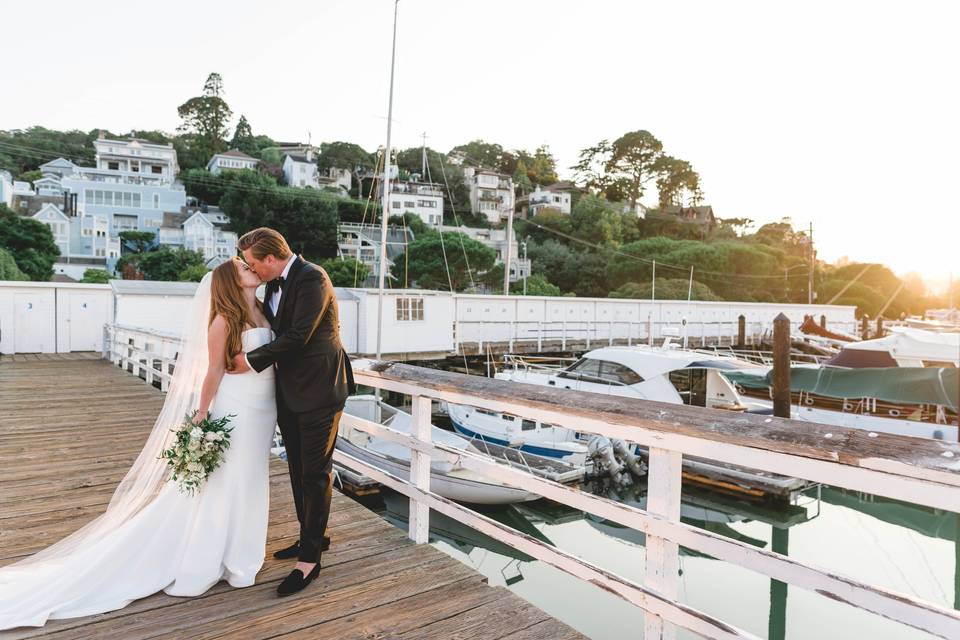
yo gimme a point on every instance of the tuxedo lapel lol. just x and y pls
(289, 285)
(267, 295)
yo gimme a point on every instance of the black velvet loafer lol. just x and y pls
(296, 581)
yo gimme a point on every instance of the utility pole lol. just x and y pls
(523, 245)
(812, 262)
(506, 257)
(423, 164)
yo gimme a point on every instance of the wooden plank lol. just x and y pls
(61, 456)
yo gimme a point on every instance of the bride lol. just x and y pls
(152, 537)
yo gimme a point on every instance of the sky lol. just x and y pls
(840, 114)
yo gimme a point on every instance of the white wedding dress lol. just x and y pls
(175, 542)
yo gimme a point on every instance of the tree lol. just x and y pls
(521, 179)
(427, 267)
(677, 183)
(193, 273)
(30, 176)
(8, 267)
(345, 272)
(169, 264)
(30, 242)
(205, 117)
(537, 285)
(137, 241)
(543, 167)
(95, 276)
(243, 139)
(37, 145)
(484, 154)
(667, 289)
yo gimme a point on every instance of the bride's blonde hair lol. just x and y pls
(226, 299)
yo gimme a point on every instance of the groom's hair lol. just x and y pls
(264, 242)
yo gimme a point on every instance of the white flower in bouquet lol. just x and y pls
(197, 450)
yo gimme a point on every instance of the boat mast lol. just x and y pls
(385, 201)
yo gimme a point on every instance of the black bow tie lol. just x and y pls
(280, 281)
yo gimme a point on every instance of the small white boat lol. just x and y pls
(447, 478)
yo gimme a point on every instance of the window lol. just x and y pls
(613, 372)
(429, 204)
(528, 425)
(156, 201)
(586, 369)
(135, 167)
(485, 412)
(156, 169)
(507, 418)
(113, 166)
(408, 204)
(409, 309)
(395, 204)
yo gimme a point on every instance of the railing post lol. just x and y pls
(420, 471)
(650, 329)
(539, 336)
(563, 338)
(741, 331)
(663, 556)
(610, 334)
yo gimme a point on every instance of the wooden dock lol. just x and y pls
(70, 425)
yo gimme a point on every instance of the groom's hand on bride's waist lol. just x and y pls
(240, 364)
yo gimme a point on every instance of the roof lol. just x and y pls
(153, 288)
(296, 157)
(701, 214)
(235, 153)
(563, 185)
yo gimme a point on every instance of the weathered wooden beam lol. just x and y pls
(781, 366)
(916, 470)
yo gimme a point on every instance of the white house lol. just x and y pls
(200, 230)
(555, 197)
(425, 199)
(233, 160)
(496, 239)
(491, 193)
(22, 188)
(336, 178)
(83, 240)
(138, 157)
(362, 243)
(6, 188)
(300, 170)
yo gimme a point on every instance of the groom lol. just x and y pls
(314, 378)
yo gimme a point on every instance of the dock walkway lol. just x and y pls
(70, 425)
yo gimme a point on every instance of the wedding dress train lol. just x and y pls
(177, 543)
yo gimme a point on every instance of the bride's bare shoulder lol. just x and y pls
(218, 326)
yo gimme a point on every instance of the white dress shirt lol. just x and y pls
(275, 298)
(274, 301)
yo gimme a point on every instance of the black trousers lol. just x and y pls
(309, 439)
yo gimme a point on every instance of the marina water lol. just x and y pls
(905, 548)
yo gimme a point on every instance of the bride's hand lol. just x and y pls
(198, 417)
(239, 364)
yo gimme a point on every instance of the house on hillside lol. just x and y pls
(701, 216)
(491, 193)
(203, 229)
(233, 160)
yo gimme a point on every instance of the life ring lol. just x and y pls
(894, 413)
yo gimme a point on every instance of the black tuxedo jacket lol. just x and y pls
(313, 370)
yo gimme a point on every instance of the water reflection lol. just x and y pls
(914, 550)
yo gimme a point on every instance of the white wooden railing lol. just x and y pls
(472, 336)
(922, 472)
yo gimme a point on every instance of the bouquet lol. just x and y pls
(197, 450)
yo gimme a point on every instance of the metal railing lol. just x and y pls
(917, 471)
